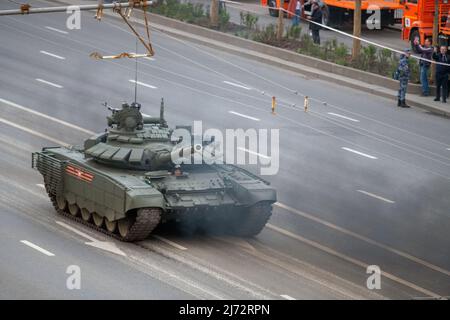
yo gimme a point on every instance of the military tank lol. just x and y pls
(125, 181)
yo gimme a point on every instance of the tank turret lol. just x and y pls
(135, 141)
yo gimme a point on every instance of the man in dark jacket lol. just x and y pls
(316, 16)
(426, 52)
(441, 72)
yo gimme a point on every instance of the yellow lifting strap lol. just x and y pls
(125, 16)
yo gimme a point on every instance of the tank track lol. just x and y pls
(252, 222)
(146, 220)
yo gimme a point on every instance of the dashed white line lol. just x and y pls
(285, 296)
(169, 242)
(56, 30)
(143, 84)
(448, 149)
(50, 83)
(52, 55)
(375, 196)
(35, 133)
(40, 185)
(343, 117)
(359, 153)
(42, 115)
(237, 85)
(35, 247)
(254, 153)
(244, 115)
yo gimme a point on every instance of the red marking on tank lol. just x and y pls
(79, 174)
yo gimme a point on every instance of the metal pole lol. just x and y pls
(83, 7)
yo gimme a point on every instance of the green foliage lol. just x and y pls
(188, 12)
(266, 35)
(249, 20)
(293, 32)
(224, 19)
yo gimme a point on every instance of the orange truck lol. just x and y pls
(340, 12)
(418, 17)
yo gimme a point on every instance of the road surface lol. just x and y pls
(360, 181)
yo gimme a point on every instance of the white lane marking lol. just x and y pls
(103, 245)
(50, 83)
(343, 117)
(360, 153)
(35, 133)
(375, 196)
(67, 124)
(52, 55)
(448, 149)
(169, 242)
(285, 296)
(57, 30)
(237, 85)
(35, 247)
(254, 153)
(143, 84)
(40, 185)
(363, 238)
(351, 260)
(243, 115)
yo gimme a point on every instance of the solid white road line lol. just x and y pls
(243, 115)
(237, 85)
(351, 260)
(143, 84)
(363, 238)
(375, 196)
(169, 242)
(67, 124)
(35, 133)
(360, 153)
(56, 30)
(50, 83)
(52, 55)
(35, 247)
(254, 153)
(285, 296)
(343, 117)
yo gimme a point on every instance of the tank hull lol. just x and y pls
(120, 201)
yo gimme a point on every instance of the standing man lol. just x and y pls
(316, 16)
(426, 52)
(441, 73)
(403, 77)
(298, 12)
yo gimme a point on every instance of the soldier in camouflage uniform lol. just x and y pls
(403, 77)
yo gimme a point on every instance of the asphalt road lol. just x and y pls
(360, 182)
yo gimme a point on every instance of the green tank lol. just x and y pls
(125, 181)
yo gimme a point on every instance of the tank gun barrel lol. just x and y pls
(177, 154)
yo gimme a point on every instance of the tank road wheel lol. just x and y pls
(98, 219)
(61, 203)
(138, 227)
(111, 226)
(74, 210)
(85, 214)
(252, 220)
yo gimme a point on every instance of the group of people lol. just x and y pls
(428, 53)
(315, 17)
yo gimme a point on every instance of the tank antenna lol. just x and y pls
(136, 75)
